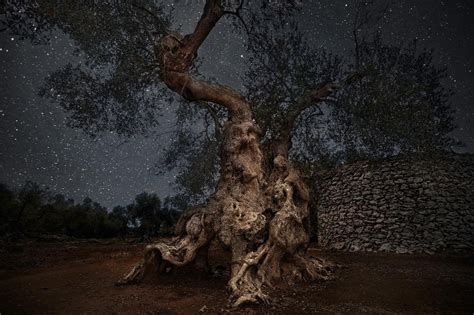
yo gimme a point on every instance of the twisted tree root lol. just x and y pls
(179, 252)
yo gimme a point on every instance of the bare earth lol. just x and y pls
(78, 277)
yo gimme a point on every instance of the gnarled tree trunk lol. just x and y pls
(259, 210)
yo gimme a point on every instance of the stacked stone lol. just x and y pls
(422, 205)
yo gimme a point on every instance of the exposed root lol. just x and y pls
(246, 285)
(312, 268)
(260, 270)
(251, 297)
(265, 267)
(250, 260)
(179, 252)
(248, 288)
(280, 258)
(151, 261)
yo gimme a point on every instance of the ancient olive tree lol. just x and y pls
(259, 208)
(134, 65)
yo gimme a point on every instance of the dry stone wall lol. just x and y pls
(400, 205)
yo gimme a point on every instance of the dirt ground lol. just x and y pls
(78, 277)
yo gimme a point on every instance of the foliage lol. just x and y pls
(194, 153)
(33, 211)
(113, 88)
(401, 106)
(392, 99)
(149, 218)
(282, 67)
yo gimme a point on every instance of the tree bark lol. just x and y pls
(259, 210)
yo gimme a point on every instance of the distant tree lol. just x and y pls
(86, 220)
(30, 199)
(146, 214)
(53, 215)
(118, 221)
(8, 206)
(171, 215)
(33, 211)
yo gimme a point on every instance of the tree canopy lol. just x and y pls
(390, 97)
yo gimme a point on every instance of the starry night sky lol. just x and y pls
(35, 143)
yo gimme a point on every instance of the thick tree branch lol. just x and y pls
(176, 55)
(308, 100)
(189, 44)
(199, 90)
(316, 96)
(282, 144)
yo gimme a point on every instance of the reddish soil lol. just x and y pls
(78, 277)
